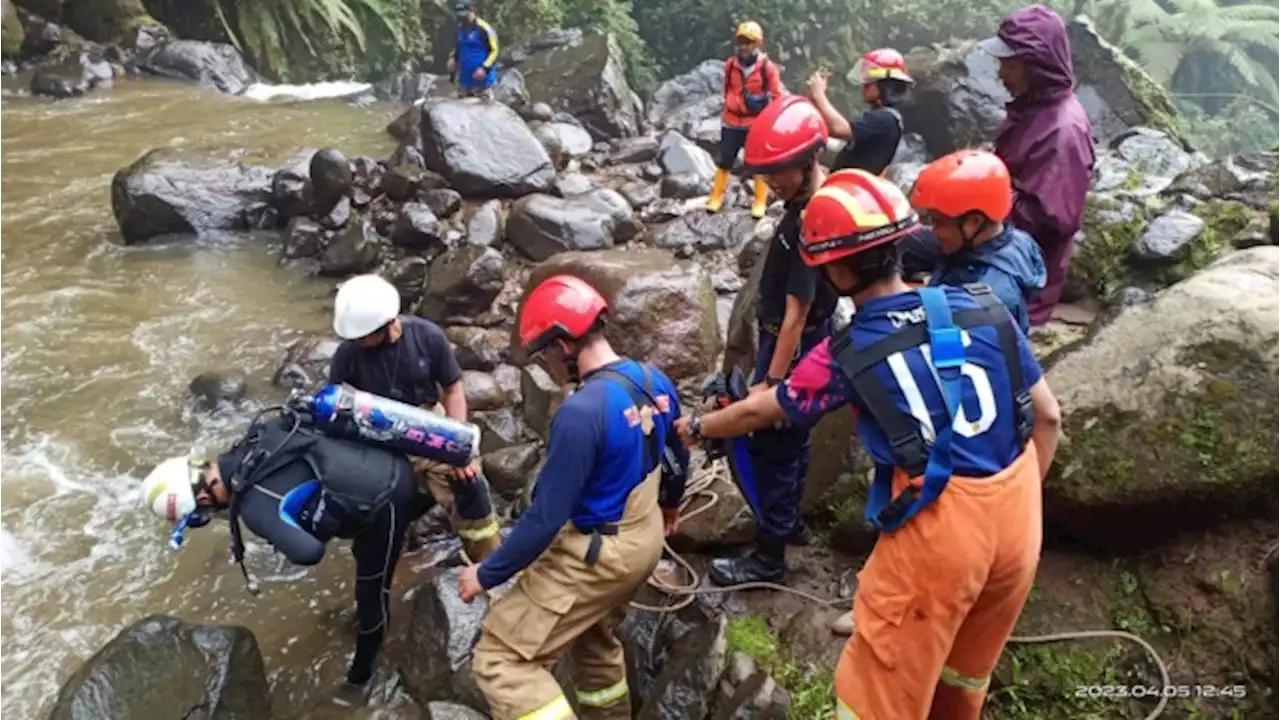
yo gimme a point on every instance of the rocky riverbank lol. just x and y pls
(1160, 508)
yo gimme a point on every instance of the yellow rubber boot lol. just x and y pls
(718, 188)
(761, 202)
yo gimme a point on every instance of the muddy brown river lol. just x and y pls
(99, 342)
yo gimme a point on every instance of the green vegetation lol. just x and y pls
(810, 688)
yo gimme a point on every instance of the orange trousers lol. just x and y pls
(939, 597)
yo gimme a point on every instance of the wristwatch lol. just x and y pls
(695, 427)
(772, 381)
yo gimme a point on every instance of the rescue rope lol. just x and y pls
(700, 486)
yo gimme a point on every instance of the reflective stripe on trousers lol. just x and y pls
(557, 709)
(605, 696)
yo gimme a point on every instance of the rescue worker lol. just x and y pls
(364, 494)
(874, 135)
(407, 358)
(751, 83)
(946, 392)
(967, 196)
(593, 533)
(1046, 140)
(475, 53)
(793, 312)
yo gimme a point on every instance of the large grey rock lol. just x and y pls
(634, 150)
(1168, 238)
(510, 89)
(443, 202)
(482, 391)
(542, 397)
(957, 100)
(162, 667)
(215, 65)
(681, 157)
(1153, 154)
(418, 229)
(406, 128)
(563, 141)
(726, 230)
(587, 79)
(706, 81)
(462, 281)
(172, 191)
(331, 179)
(1250, 179)
(487, 225)
(540, 226)
(500, 429)
(639, 193)
(435, 657)
(484, 149)
(354, 250)
(72, 76)
(507, 469)
(409, 276)
(290, 194)
(660, 310)
(674, 661)
(304, 238)
(478, 348)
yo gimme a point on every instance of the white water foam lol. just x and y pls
(312, 91)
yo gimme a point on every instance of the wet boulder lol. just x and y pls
(639, 193)
(436, 653)
(331, 179)
(443, 202)
(336, 217)
(573, 183)
(290, 194)
(507, 469)
(563, 141)
(306, 361)
(660, 310)
(499, 429)
(678, 156)
(163, 667)
(508, 378)
(958, 100)
(587, 79)
(463, 281)
(354, 250)
(213, 390)
(484, 149)
(406, 128)
(172, 191)
(703, 232)
(1116, 92)
(409, 276)
(74, 75)
(215, 65)
(1169, 410)
(487, 225)
(694, 88)
(478, 348)
(634, 150)
(540, 226)
(728, 522)
(418, 229)
(303, 238)
(482, 391)
(674, 661)
(542, 396)
(1152, 159)
(684, 187)
(1167, 239)
(510, 89)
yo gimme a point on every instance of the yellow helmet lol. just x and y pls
(750, 30)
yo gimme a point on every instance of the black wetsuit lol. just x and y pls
(364, 494)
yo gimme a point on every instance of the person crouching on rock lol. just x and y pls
(947, 394)
(794, 314)
(364, 494)
(968, 197)
(873, 136)
(475, 53)
(407, 358)
(594, 532)
(751, 82)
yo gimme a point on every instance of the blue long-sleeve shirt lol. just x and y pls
(596, 456)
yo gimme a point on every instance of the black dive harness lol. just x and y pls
(911, 452)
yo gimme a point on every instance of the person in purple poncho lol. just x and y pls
(1045, 140)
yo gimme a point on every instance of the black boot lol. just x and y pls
(802, 536)
(756, 567)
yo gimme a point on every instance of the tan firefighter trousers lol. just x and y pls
(561, 605)
(480, 536)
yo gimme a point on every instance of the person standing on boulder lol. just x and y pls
(475, 53)
(873, 136)
(952, 407)
(408, 359)
(593, 533)
(751, 82)
(794, 314)
(1046, 140)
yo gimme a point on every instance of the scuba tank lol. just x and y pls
(343, 411)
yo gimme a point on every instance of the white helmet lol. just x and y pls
(167, 489)
(364, 304)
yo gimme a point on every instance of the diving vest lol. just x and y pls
(280, 461)
(911, 453)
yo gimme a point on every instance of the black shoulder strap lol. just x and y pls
(909, 450)
(641, 395)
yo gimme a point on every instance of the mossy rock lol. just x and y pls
(106, 21)
(11, 32)
(1170, 410)
(1099, 266)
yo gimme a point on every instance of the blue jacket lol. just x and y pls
(1010, 263)
(477, 47)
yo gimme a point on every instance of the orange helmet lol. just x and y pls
(880, 64)
(562, 307)
(853, 211)
(963, 182)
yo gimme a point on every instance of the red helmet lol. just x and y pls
(963, 182)
(853, 211)
(880, 64)
(562, 307)
(786, 134)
